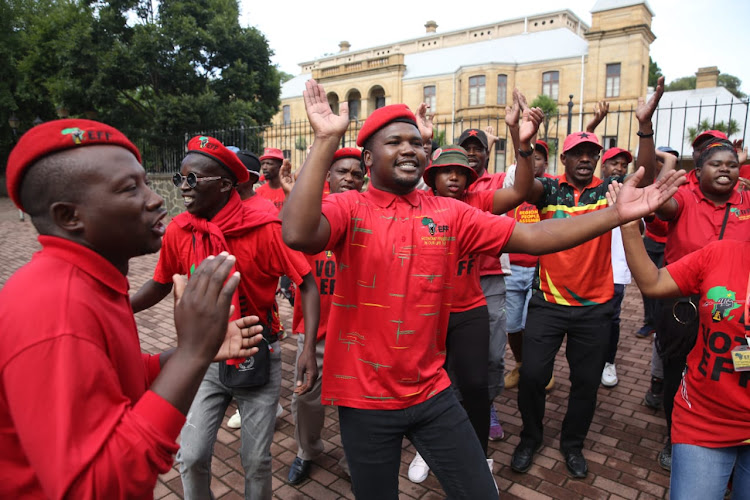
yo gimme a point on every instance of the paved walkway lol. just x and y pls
(621, 447)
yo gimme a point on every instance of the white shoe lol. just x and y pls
(279, 410)
(490, 463)
(609, 375)
(418, 469)
(234, 421)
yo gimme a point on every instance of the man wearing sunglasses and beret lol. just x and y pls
(216, 219)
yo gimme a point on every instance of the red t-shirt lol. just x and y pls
(323, 267)
(489, 265)
(262, 257)
(76, 417)
(260, 203)
(657, 230)
(525, 213)
(275, 196)
(712, 406)
(698, 221)
(397, 257)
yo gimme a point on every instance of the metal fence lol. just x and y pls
(674, 126)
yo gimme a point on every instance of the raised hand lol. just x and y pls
(601, 109)
(532, 117)
(286, 177)
(489, 131)
(513, 112)
(242, 339)
(324, 122)
(424, 122)
(633, 202)
(741, 152)
(645, 110)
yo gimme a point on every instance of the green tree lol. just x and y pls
(654, 72)
(730, 128)
(732, 84)
(682, 83)
(549, 106)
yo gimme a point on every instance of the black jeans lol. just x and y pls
(588, 341)
(467, 354)
(438, 428)
(655, 252)
(614, 327)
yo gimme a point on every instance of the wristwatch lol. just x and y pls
(525, 154)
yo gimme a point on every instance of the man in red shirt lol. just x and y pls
(83, 413)
(397, 250)
(216, 218)
(270, 163)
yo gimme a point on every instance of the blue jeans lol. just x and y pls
(258, 411)
(517, 295)
(440, 430)
(494, 291)
(700, 472)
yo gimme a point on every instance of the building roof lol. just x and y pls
(682, 109)
(295, 86)
(602, 5)
(527, 48)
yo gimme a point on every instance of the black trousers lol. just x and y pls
(467, 354)
(587, 333)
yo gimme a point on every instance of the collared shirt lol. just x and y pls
(76, 417)
(275, 196)
(397, 258)
(698, 220)
(582, 275)
(713, 402)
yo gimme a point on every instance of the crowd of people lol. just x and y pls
(410, 268)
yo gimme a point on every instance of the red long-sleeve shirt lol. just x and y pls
(76, 417)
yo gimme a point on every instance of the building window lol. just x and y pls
(354, 99)
(551, 84)
(476, 90)
(429, 97)
(500, 156)
(609, 141)
(613, 80)
(379, 102)
(502, 89)
(287, 115)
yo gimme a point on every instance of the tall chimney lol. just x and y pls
(431, 26)
(706, 78)
(344, 46)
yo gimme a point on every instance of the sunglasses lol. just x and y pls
(192, 179)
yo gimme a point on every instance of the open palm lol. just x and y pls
(324, 121)
(633, 202)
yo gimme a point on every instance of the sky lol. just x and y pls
(689, 34)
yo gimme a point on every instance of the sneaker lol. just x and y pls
(645, 331)
(235, 422)
(512, 377)
(665, 456)
(279, 411)
(418, 469)
(654, 395)
(609, 375)
(490, 463)
(551, 384)
(496, 430)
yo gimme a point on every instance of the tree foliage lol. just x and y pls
(549, 107)
(155, 70)
(729, 82)
(654, 72)
(730, 128)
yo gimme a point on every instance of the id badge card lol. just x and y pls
(741, 358)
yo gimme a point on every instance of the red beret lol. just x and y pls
(272, 154)
(208, 146)
(382, 117)
(577, 138)
(347, 153)
(612, 152)
(53, 137)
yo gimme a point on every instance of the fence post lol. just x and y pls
(570, 113)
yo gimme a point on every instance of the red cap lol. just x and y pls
(272, 154)
(53, 137)
(612, 152)
(382, 117)
(577, 138)
(543, 145)
(718, 134)
(214, 149)
(347, 153)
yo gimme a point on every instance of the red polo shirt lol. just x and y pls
(698, 221)
(397, 257)
(262, 257)
(76, 417)
(275, 196)
(323, 267)
(488, 265)
(657, 230)
(712, 406)
(582, 275)
(259, 203)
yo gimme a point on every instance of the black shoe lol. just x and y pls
(665, 456)
(523, 456)
(299, 471)
(655, 394)
(576, 464)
